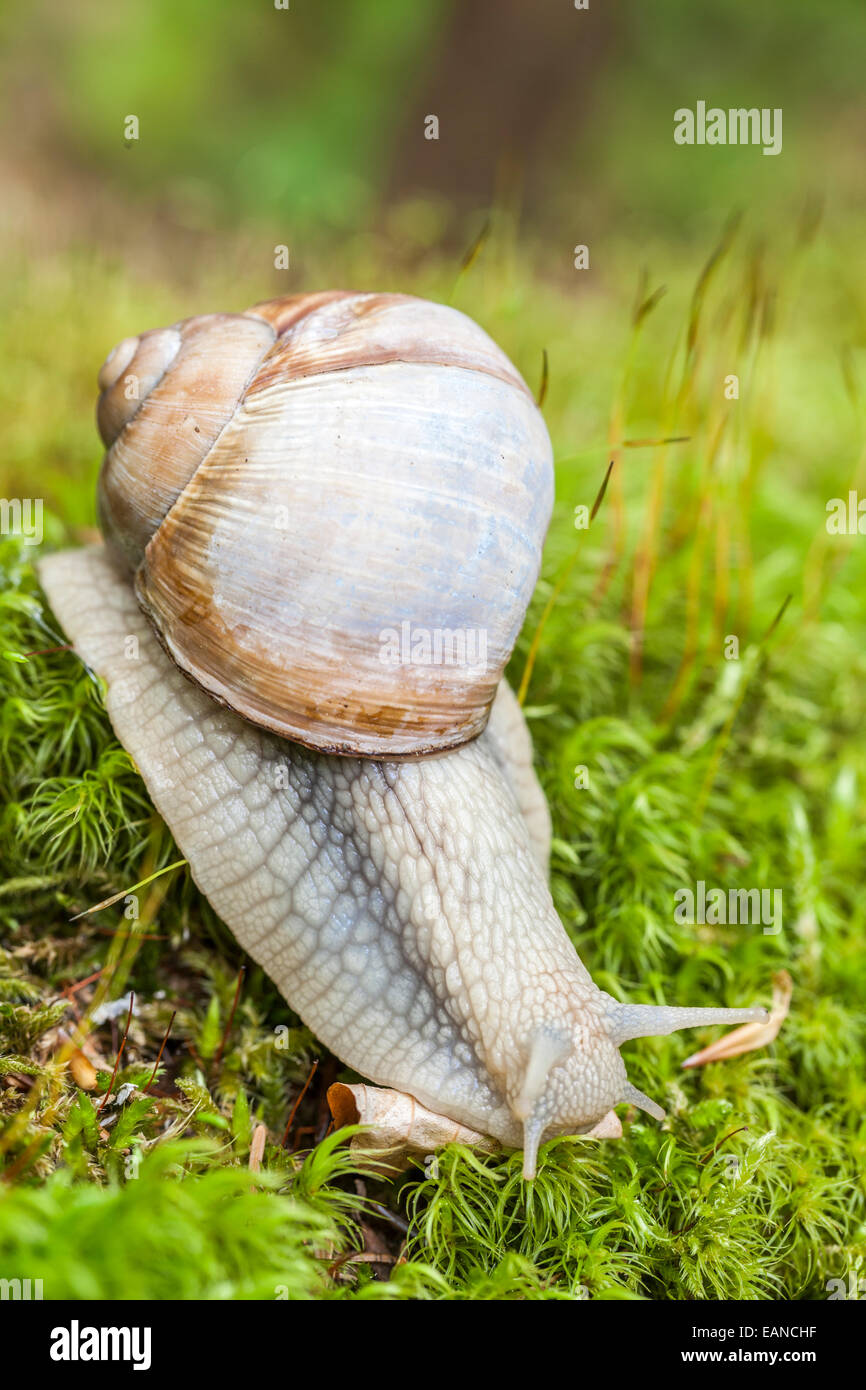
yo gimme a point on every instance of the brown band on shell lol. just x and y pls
(283, 314)
(341, 331)
(350, 707)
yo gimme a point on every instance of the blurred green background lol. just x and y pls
(312, 117)
(261, 127)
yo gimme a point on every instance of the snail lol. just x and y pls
(285, 492)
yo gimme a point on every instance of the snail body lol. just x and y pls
(399, 901)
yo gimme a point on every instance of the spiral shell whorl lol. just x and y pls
(128, 375)
(162, 414)
(300, 478)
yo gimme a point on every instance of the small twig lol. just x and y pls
(476, 248)
(602, 490)
(219, 1054)
(775, 623)
(393, 1218)
(69, 990)
(125, 892)
(294, 1111)
(542, 388)
(644, 303)
(656, 443)
(119, 1053)
(710, 1154)
(159, 1054)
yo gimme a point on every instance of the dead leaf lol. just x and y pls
(750, 1036)
(401, 1126)
(257, 1147)
(83, 1072)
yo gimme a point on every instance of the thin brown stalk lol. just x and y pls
(313, 1069)
(119, 1054)
(219, 1052)
(159, 1054)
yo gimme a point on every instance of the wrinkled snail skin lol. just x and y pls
(401, 908)
(373, 834)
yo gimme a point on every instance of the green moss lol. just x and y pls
(168, 1233)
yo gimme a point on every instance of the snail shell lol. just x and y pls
(297, 486)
